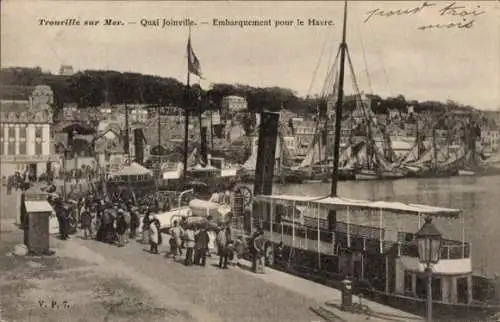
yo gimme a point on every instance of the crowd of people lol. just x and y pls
(18, 181)
(117, 223)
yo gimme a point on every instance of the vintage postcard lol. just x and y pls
(249, 161)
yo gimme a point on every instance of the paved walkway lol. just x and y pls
(229, 295)
(238, 294)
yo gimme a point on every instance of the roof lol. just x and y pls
(77, 127)
(134, 169)
(341, 203)
(234, 96)
(16, 92)
(14, 106)
(38, 206)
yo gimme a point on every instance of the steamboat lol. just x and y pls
(331, 238)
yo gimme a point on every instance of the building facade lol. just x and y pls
(26, 135)
(234, 103)
(490, 139)
(66, 70)
(109, 145)
(109, 151)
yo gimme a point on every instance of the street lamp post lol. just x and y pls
(429, 250)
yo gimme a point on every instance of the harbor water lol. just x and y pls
(478, 197)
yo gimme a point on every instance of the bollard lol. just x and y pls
(346, 291)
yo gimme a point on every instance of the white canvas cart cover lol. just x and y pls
(134, 169)
(206, 208)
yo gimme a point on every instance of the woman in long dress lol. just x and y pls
(145, 228)
(154, 236)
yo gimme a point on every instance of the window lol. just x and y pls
(22, 147)
(2, 151)
(38, 148)
(437, 293)
(22, 132)
(408, 282)
(11, 148)
(38, 132)
(12, 132)
(1, 132)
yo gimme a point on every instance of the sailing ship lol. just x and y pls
(330, 238)
(451, 157)
(364, 150)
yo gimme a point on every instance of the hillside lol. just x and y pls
(91, 88)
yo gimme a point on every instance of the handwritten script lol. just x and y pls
(466, 16)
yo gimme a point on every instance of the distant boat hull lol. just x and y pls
(248, 176)
(366, 175)
(464, 173)
(313, 181)
(388, 175)
(324, 175)
(414, 172)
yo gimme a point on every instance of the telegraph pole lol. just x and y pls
(127, 135)
(159, 126)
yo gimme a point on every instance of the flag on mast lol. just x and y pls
(193, 62)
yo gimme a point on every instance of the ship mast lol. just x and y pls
(338, 108)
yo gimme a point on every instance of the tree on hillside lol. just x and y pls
(92, 87)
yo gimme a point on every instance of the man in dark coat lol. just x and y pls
(166, 205)
(128, 219)
(121, 228)
(134, 222)
(86, 220)
(9, 185)
(100, 225)
(224, 240)
(64, 223)
(106, 226)
(59, 215)
(259, 252)
(158, 227)
(201, 246)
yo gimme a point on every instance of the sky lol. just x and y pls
(390, 54)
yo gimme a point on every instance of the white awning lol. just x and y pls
(298, 198)
(398, 207)
(340, 203)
